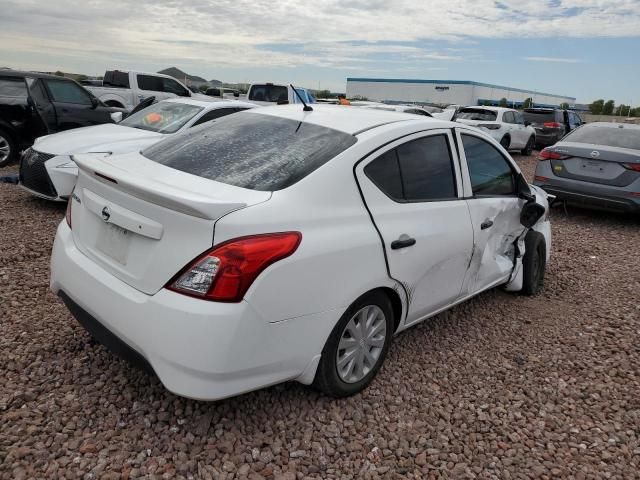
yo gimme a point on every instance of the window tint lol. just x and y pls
(217, 113)
(249, 150)
(489, 171)
(419, 170)
(114, 78)
(171, 86)
(614, 136)
(427, 170)
(507, 117)
(162, 117)
(384, 171)
(415, 111)
(519, 118)
(149, 82)
(269, 93)
(12, 87)
(477, 114)
(68, 92)
(538, 117)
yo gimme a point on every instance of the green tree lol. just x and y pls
(59, 74)
(528, 103)
(203, 87)
(596, 107)
(608, 107)
(621, 110)
(634, 112)
(503, 102)
(564, 106)
(81, 78)
(323, 94)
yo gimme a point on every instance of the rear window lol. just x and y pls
(12, 87)
(116, 79)
(477, 114)
(254, 151)
(269, 93)
(540, 116)
(621, 137)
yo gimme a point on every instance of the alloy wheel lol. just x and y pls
(5, 149)
(361, 344)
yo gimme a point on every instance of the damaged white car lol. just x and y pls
(287, 244)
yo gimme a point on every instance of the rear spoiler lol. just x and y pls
(189, 202)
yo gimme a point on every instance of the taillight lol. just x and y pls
(489, 126)
(632, 166)
(552, 124)
(546, 154)
(67, 215)
(225, 273)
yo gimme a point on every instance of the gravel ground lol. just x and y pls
(503, 386)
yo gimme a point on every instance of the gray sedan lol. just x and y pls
(596, 165)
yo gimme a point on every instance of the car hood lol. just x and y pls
(99, 138)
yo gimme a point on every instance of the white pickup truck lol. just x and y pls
(127, 89)
(270, 93)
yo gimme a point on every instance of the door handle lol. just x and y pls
(402, 243)
(486, 224)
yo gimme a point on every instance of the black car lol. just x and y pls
(35, 104)
(551, 124)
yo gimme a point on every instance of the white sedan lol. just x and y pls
(280, 244)
(47, 170)
(506, 125)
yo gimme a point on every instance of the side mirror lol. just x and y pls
(116, 117)
(531, 213)
(94, 102)
(236, 94)
(527, 123)
(283, 102)
(523, 189)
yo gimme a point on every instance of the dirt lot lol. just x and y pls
(503, 386)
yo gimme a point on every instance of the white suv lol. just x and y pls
(506, 125)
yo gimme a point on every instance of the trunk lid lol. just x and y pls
(142, 221)
(596, 163)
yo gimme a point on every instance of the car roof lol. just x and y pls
(486, 107)
(19, 73)
(631, 126)
(212, 104)
(341, 117)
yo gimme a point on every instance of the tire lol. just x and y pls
(528, 149)
(333, 377)
(8, 150)
(505, 142)
(534, 263)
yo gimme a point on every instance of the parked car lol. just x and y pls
(48, 104)
(551, 124)
(47, 169)
(596, 165)
(280, 244)
(127, 89)
(269, 93)
(506, 125)
(220, 92)
(414, 109)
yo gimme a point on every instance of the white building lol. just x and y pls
(447, 92)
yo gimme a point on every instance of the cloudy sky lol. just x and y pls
(583, 48)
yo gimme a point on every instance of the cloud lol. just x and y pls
(553, 59)
(258, 33)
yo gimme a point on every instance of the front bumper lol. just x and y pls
(198, 349)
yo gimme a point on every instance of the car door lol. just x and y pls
(413, 191)
(150, 85)
(74, 106)
(510, 121)
(45, 120)
(490, 182)
(523, 132)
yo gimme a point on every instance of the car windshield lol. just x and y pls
(249, 150)
(539, 116)
(614, 136)
(163, 117)
(477, 114)
(269, 93)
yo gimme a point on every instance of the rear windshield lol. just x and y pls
(624, 137)
(269, 93)
(162, 117)
(254, 151)
(477, 114)
(540, 116)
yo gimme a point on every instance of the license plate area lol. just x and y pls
(114, 242)
(593, 166)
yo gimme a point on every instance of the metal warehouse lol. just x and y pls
(447, 92)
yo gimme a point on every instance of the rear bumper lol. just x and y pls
(546, 140)
(198, 349)
(614, 203)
